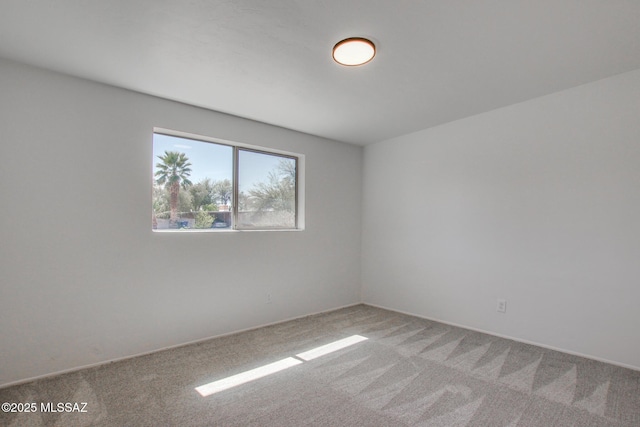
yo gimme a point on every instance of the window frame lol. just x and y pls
(236, 148)
(235, 185)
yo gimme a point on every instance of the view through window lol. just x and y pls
(202, 185)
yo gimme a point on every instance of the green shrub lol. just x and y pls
(203, 220)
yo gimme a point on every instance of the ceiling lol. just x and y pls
(437, 60)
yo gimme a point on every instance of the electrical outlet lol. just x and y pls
(502, 306)
(269, 298)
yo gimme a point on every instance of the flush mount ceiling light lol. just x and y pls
(354, 51)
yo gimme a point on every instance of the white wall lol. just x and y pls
(537, 203)
(83, 279)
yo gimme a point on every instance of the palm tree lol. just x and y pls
(173, 172)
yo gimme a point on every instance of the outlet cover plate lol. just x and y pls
(502, 306)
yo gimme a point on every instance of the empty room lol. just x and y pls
(287, 213)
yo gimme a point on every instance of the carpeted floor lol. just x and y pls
(409, 372)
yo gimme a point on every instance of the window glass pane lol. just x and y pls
(266, 190)
(192, 184)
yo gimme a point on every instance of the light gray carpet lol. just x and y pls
(410, 372)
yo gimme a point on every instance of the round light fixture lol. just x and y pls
(354, 51)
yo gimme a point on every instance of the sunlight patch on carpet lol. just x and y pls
(272, 368)
(245, 377)
(330, 348)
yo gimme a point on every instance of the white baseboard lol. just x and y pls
(119, 359)
(520, 340)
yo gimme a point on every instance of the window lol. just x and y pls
(205, 184)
